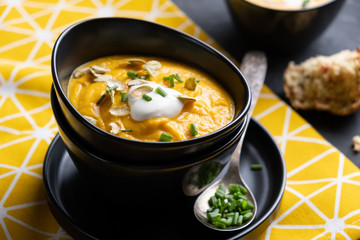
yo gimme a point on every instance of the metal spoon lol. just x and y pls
(253, 66)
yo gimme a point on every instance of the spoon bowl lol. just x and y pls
(254, 67)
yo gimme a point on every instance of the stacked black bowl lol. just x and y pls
(108, 160)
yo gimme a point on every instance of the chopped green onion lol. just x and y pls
(248, 215)
(165, 137)
(123, 96)
(177, 77)
(240, 221)
(132, 74)
(236, 218)
(219, 194)
(145, 77)
(197, 80)
(305, 2)
(256, 166)
(232, 214)
(214, 215)
(109, 89)
(219, 224)
(193, 129)
(100, 99)
(212, 201)
(146, 97)
(171, 78)
(227, 209)
(222, 187)
(160, 91)
(250, 206)
(172, 83)
(126, 130)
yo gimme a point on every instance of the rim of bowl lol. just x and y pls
(289, 10)
(102, 132)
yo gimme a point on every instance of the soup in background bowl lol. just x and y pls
(289, 4)
(282, 26)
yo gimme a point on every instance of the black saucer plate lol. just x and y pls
(87, 212)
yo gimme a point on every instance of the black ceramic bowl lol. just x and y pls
(279, 29)
(101, 37)
(108, 159)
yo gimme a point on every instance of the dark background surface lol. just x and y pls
(214, 18)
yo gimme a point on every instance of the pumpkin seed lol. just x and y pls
(112, 96)
(114, 82)
(115, 129)
(120, 111)
(137, 62)
(152, 66)
(102, 78)
(96, 69)
(185, 98)
(90, 119)
(144, 89)
(136, 82)
(80, 72)
(190, 84)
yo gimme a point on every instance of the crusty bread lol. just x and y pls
(328, 83)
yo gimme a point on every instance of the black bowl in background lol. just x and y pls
(282, 30)
(101, 37)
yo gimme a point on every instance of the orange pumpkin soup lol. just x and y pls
(149, 99)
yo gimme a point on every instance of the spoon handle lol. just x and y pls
(253, 66)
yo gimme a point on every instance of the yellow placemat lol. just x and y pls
(322, 198)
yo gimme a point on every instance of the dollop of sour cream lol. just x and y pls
(168, 106)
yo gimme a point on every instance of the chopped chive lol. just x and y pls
(109, 89)
(100, 99)
(146, 97)
(219, 194)
(248, 215)
(236, 218)
(193, 130)
(245, 212)
(171, 78)
(197, 80)
(256, 166)
(160, 91)
(172, 83)
(219, 224)
(222, 187)
(250, 206)
(126, 130)
(165, 137)
(123, 96)
(214, 215)
(240, 220)
(132, 74)
(212, 201)
(177, 77)
(231, 214)
(305, 2)
(226, 210)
